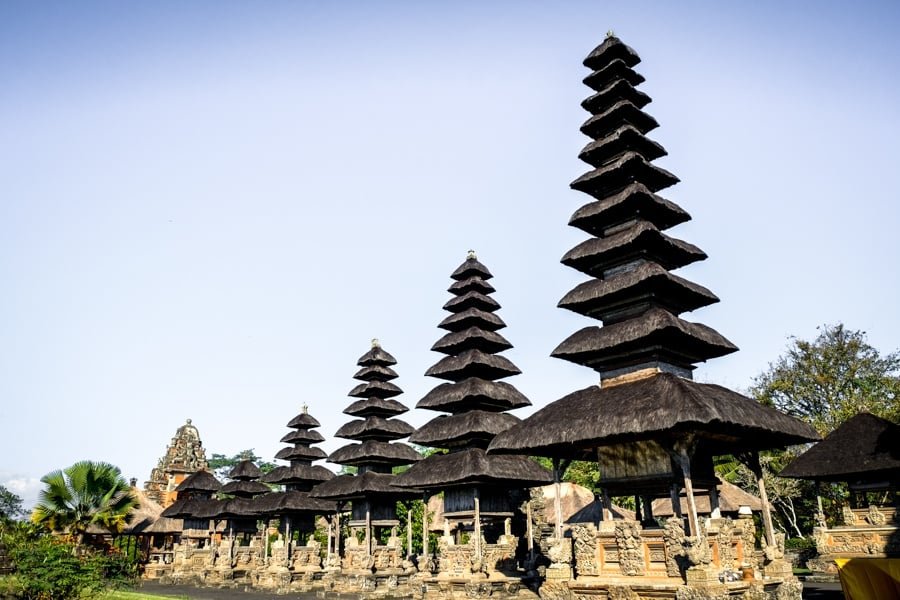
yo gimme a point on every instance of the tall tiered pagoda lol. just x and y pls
(375, 451)
(184, 455)
(650, 426)
(476, 487)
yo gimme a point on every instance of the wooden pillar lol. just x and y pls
(714, 511)
(675, 496)
(607, 505)
(266, 540)
(528, 527)
(368, 530)
(287, 534)
(751, 459)
(684, 461)
(557, 502)
(638, 513)
(425, 524)
(477, 524)
(648, 508)
(409, 532)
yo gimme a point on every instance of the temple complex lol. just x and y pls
(184, 455)
(651, 428)
(372, 556)
(479, 552)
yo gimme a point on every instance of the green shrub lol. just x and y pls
(799, 544)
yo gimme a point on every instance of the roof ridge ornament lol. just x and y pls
(470, 255)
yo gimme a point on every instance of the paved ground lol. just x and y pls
(811, 591)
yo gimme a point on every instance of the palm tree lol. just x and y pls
(87, 493)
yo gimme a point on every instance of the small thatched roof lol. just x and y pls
(731, 499)
(625, 138)
(655, 334)
(651, 408)
(595, 217)
(471, 466)
(472, 338)
(354, 487)
(375, 373)
(454, 430)
(473, 393)
(376, 356)
(276, 504)
(244, 488)
(605, 299)
(474, 283)
(374, 452)
(865, 448)
(578, 504)
(374, 428)
(234, 508)
(613, 70)
(473, 363)
(302, 436)
(146, 517)
(200, 481)
(375, 406)
(297, 473)
(469, 300)
(642, 240)
(244, 471)
(303, 421)
(620, 113)
(612, 93)
(471, 268)
(375, 389)
(301, 453)
(472, 317)
(182, 508)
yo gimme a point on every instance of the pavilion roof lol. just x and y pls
(291, 503)
(865, 448)
(473, 466)
(355, 487)
(199, 481)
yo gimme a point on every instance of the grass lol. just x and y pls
(123, 595)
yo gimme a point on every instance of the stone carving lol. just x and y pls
(585, 537)
(726, 545)
(756, 592)
(560, 551)
(673, 537)
(702, 593)
(696, 551)
(849, 517)
(555, 590)
(789, 590)
(184, 455)
(876, 517)
(631, 550)
(622, 592)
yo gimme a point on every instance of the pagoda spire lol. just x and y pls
(628, 257)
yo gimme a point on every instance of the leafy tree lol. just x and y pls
(221, 465)
(585, 473)
(87, 493)
(10, 504)
(832, 378)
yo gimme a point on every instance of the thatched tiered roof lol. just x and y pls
(193, 493)
(244, 481)
(644, 352)
(300, 476)
(375, 432)
(476, 400)
(864, 449)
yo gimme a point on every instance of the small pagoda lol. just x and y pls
(195, 551)
(296, 566)
(481, 493)
(652, 429)
(374, 453)
(184, 455)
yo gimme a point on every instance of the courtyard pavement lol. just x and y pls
(811, 591)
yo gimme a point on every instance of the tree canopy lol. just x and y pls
(87, 493)
(830, 379)
(10, 504)
(221, 465)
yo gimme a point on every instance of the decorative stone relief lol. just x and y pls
(726, 545)
(555, 590)
(702, 593)
(849, 517)
(630, 545)
(789, 590)
(876, 517)
(585, 537)
(622, 592)
(673, 537)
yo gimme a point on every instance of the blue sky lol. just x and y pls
(208, 209)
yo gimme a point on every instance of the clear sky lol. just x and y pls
(208, 209)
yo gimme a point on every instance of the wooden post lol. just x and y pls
(684, 461)
(266, 540)
(368, 530)
(676, 500)
(409, 532)
(557, 502)
(607, 505)
(425, 525)
(714, 511)
(648, 508)
(751, 459)
(638, 513)
(530, 532)
(477, 524)
(287, 534)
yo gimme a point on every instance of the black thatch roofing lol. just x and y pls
(473, 466)
(471, 268)
(375, 373)
(375, 389)
(472, 338)
(469, 300)
(462, 429)
(182, 508)
(613, 70)
(651, 408)
(655, 335)
(201, 481)
(472, 317)
(597, 217)
(233, 508)
(297, 473)
(642, 241)
(354, 487)
(300, 453)
(245, 489)
(626, 138)
(376, 356)
(375, 406)
(474, 283)
(865, 448)
(628, 167)
(303, 421)
(473, 393)
(634, 290)
(245, 470)
(620, 113)
(276, 504)
(374, 428)
(302, 436)
(613, 93)
(610, 49)
(374, 452)
(473, 363)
